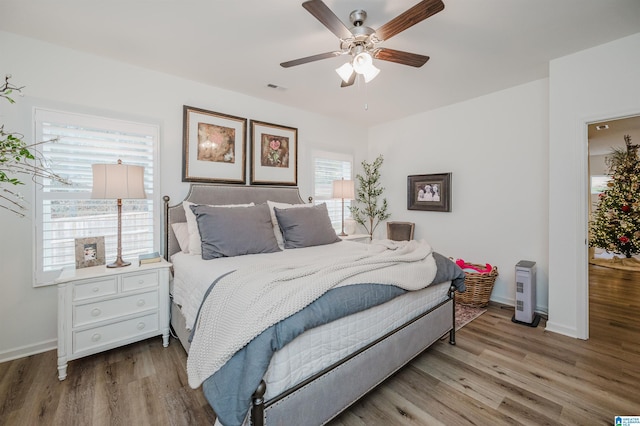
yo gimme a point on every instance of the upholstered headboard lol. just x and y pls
(213, 194)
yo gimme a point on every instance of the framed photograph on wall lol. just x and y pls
(213, 147)
(429, 192)
(274, 154)
(89, 252)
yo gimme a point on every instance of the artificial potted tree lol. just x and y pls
(366, 212)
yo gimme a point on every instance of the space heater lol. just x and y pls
(526, 294)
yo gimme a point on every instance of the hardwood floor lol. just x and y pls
(498, 373)
(503, 373)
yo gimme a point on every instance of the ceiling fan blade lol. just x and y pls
(352, 80)
(400, 57)
(409, 18)
(312, 58)
(323, 14)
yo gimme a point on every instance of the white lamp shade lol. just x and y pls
(363, 64)
(370, 73)
(344, 189)
(345, 72)
(117, 181)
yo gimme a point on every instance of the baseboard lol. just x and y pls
(28, 350)
(510, 302)
(502, 301)
(561, 329)
(550, 326)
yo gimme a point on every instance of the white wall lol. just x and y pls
(506, 150)
(589, 86)
(62, 78)
(598, 165)
(496, 146)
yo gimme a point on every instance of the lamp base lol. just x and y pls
(343, 234)
(118, 263)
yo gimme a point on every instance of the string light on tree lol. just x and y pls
(616, 221)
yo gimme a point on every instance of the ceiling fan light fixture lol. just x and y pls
(345, 72)
(362, 61)
(363, 64)
(360, 42)
(370, 73)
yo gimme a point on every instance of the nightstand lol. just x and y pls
(360, 238)
(101, 308)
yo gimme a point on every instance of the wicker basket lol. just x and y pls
(479, 288)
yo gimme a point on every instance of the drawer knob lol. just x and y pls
(141, 302)
(140, 281)
(96, 289)
(96, 337)
(96, 312)
(141, 326)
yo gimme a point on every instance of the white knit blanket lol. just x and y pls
(245, 303)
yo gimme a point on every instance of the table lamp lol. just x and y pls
(118, 181)
(343, 189)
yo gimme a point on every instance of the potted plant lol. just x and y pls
(366, 211)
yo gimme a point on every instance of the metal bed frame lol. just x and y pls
(325, 395)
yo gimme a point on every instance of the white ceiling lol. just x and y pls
(476, 47)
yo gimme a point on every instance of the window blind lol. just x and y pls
(65, 212)
(327, 167)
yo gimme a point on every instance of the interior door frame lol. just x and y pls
(583, 306)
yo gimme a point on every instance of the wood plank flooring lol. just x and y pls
(499, 373)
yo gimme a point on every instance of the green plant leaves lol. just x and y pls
(369, 189)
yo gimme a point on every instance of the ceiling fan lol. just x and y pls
(361, 42)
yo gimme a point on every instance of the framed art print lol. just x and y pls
(213, 147)
(429, 192)
(274, 154)
(89, 252)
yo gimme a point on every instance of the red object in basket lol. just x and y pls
(470, 266)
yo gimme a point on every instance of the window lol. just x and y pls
(65, 212)
(327, 167)
(599, 183)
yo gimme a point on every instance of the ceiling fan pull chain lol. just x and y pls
(366, 98)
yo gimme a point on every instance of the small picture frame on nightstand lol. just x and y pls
(89, 252)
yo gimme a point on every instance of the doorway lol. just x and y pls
(613, 280)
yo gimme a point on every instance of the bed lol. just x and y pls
(320, 369)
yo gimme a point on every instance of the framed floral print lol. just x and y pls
(429, 192)
(213, 147)
(274, 154)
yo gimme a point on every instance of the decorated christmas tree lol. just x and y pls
(616, 221)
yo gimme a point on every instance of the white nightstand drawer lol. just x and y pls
(97, 288)
(114, 308)
(137, 281)
(120, 331)
(101, 308)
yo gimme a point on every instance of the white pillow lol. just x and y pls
(181, 231)
(195, 241)
(274, 219)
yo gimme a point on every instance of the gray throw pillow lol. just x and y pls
(235, 231)
(306, 227)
